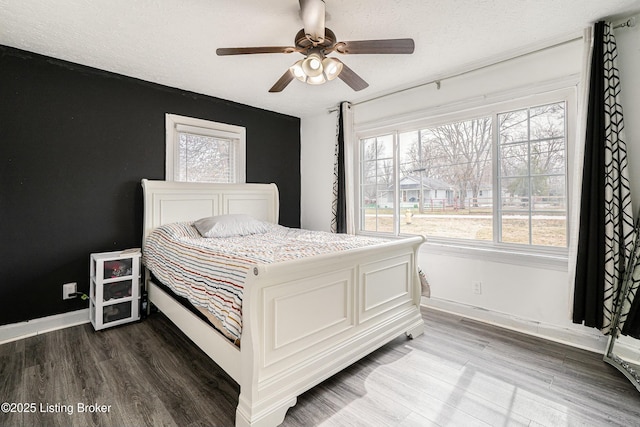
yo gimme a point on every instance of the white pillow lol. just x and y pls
(229, 225)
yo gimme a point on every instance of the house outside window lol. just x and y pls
(204, 151)
(494, 176)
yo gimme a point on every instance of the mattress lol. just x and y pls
(211, 272)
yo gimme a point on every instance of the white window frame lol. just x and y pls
(174, 124)
(552, 257)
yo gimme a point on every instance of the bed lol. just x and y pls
(369, 296)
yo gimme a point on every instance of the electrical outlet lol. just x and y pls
(477, 287)
(68, 289)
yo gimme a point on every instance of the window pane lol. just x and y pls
(369, 196)
(446, 181)
(547, 121)
(205, 158)
(549, 194)
(384, 172)
(514, 159)
(515, 194)
(547, 157)
(549, 230)
(514, 126)
(515, 228)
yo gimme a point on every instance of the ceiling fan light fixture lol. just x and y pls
(312, 65)
(316, 80)
(331, 68)
(298, 72)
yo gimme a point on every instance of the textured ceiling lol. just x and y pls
(173, 42)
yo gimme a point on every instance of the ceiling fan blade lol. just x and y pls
(249, 50)
(282, 82)
(350, 77)
(376, 46)
(313, 15)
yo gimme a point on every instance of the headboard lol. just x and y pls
(168, 201)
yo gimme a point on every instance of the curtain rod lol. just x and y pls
(630, 22)
(438, 81)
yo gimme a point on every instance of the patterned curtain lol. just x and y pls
(339, 203)
(606, 231)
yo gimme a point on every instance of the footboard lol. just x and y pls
(306, 320)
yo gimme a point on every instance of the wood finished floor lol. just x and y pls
(459, 373)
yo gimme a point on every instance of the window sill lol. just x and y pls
(548, 261)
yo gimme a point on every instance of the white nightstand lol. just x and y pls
(115, 288)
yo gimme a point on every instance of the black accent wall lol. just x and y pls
(74, 144)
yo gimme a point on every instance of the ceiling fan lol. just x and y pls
(315, 42)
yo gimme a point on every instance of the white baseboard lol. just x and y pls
(576, 336)
(580, 337)
(16, 331)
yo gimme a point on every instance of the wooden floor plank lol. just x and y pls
(459, 373)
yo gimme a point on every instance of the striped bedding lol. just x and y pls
(211, 272)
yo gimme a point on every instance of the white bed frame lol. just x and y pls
(303, 320)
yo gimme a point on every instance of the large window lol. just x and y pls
(204, 151)
(496, 176)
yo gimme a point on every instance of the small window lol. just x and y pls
(204, 151)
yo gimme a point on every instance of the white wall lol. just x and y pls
(628, 41)
(317, 150)
(512, 295)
